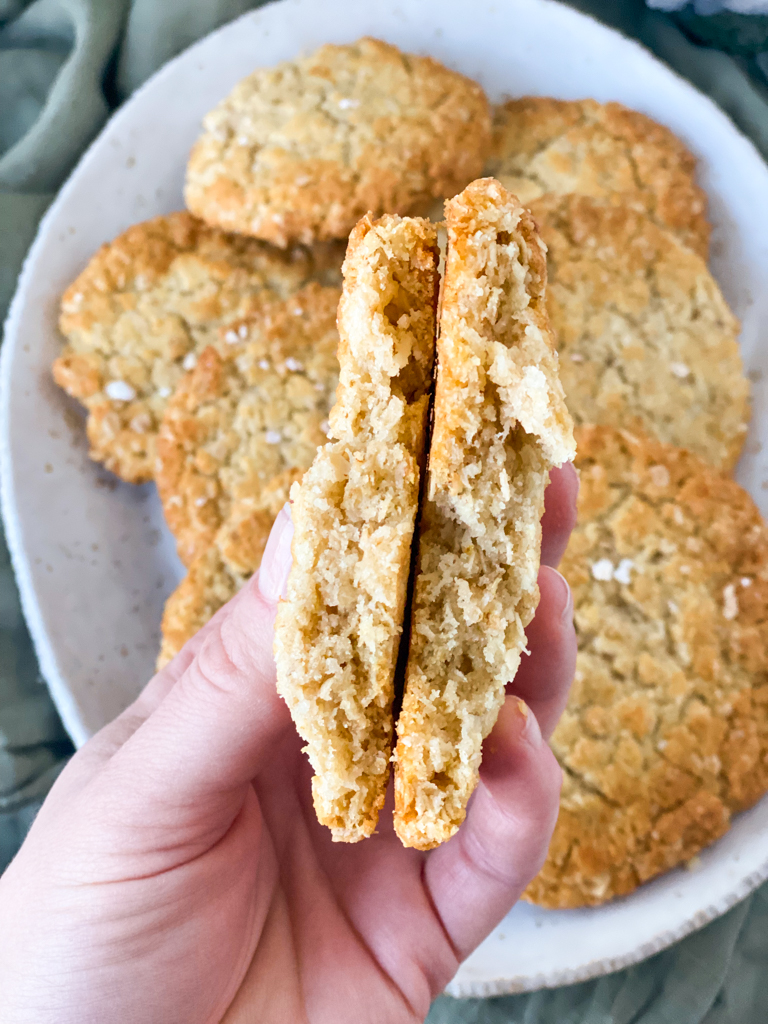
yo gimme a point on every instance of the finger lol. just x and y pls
(476, 877)
(109, 739)
(215, 727)
(275, 564)
(545, 675)
(163, 680)
(559, 513)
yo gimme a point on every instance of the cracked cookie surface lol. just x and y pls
(645, 337)
(144, 309)
(665, 734)
(245, 424)
(545, 145)
(301, 151)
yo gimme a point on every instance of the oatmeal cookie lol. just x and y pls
(500, 425)
(337, 634)
(144, 309)
(545, 145)
(302, 150)
(666, 731)
(250, 416)
(646, 338)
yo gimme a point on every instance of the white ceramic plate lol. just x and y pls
(92, 555)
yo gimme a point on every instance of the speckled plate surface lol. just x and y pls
(93, 558)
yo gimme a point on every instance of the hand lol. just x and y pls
(176, 873)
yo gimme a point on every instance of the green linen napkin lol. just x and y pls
(64, 65)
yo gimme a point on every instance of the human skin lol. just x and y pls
(176, 873)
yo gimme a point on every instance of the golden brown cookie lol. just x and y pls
(646, 338)
(500, 425)
(302, 150)
(545, 145)
(144, 309)
(337, 633)
(666, 730)
(251, 415)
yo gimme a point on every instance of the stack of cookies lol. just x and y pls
(204, 348)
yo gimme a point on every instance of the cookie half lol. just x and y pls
(544, 145)
(337, 633)
(500, 425)
(250, 416)
(302, 150)
(646, 339)
(666, 731)
(144, 309)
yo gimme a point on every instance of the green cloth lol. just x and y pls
(64, 65)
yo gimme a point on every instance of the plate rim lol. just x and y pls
(44, 649)
(460, 988)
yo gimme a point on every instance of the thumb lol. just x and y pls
(213, 731)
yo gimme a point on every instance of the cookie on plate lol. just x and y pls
(500, 424)
(338, 631)
(302, 150)
(208, 585)
(250, 415)
(144, 309)
(666, 731)
(646, 338)
(546, 145)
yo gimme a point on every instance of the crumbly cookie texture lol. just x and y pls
(302, 150)
(337, 634)
(500, 424)
(144, 309)
(208, 586)
(645, 337)
(666, 730)
(245, 424)
(545, 145)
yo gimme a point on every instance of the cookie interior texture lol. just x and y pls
(545, 145)
(500, 424)
(337, 634)
(143, 310)
(302, 150)
(666, 731)
(645, 337)
(246, 423)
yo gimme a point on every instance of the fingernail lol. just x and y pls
(521, 721)
(566, 613)
(276, 563)
(529, 726)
